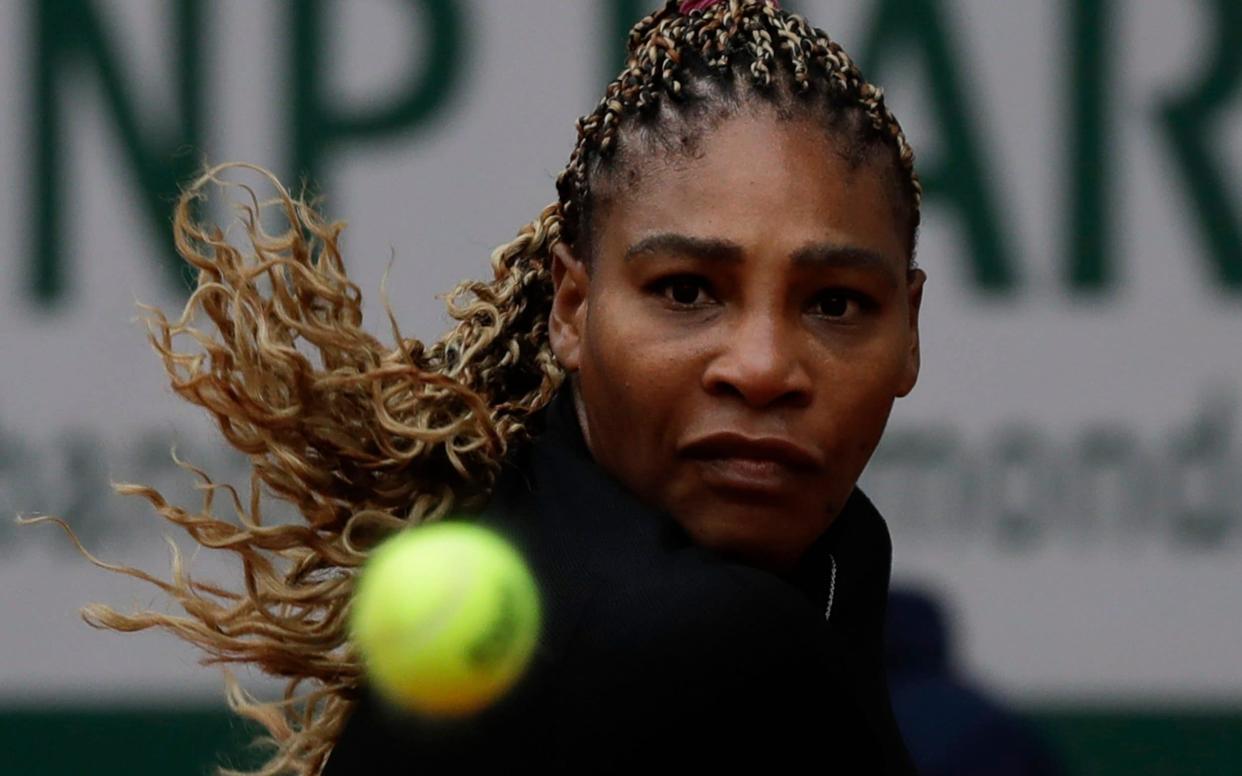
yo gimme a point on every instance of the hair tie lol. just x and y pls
(687, 6)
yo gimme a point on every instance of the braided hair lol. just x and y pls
(367, 438)
(696, 63)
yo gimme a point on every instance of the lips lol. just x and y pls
(761, 466)
(734, 445)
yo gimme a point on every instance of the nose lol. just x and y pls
(759, 361)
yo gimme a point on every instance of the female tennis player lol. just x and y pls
(665, 396)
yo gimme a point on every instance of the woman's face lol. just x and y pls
(747, 322)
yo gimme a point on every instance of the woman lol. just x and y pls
(727, 281)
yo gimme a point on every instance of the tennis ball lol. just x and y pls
(445, 618)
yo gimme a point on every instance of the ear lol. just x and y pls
(567, 322)
(914, 298)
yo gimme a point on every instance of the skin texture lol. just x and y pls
(671, 341)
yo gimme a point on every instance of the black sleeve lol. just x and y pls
(380, 739)
(651, 678)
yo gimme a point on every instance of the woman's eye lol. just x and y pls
(835, 304)
(685, 291)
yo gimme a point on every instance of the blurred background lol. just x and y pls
(1062, 487)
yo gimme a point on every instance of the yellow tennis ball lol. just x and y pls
(446, 617)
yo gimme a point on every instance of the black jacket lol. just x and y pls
(657, 652)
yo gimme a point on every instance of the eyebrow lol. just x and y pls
(707, 248)
(712, 249)
(833, 255)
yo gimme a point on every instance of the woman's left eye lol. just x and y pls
(685, 290)
(836, 303)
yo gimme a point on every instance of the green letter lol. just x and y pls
(318, 126)
(1088, 244)
(1188, 121)
(70, 35)
(960, 175)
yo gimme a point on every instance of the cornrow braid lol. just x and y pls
(710, 47)
(370, 438)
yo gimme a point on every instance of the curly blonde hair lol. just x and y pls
(363, 438)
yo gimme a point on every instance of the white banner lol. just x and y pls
(1066, 473)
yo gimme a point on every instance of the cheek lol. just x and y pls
(633, 376)
(632, 355)
(883, 360)
(857, 394)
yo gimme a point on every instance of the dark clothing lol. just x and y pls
(954, 729)
(950, 727)
(657, 652)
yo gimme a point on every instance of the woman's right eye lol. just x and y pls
(685, 290)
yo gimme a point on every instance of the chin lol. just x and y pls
(746, 536)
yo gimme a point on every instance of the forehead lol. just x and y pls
(758, 181)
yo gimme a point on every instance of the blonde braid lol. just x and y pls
(375, 438)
